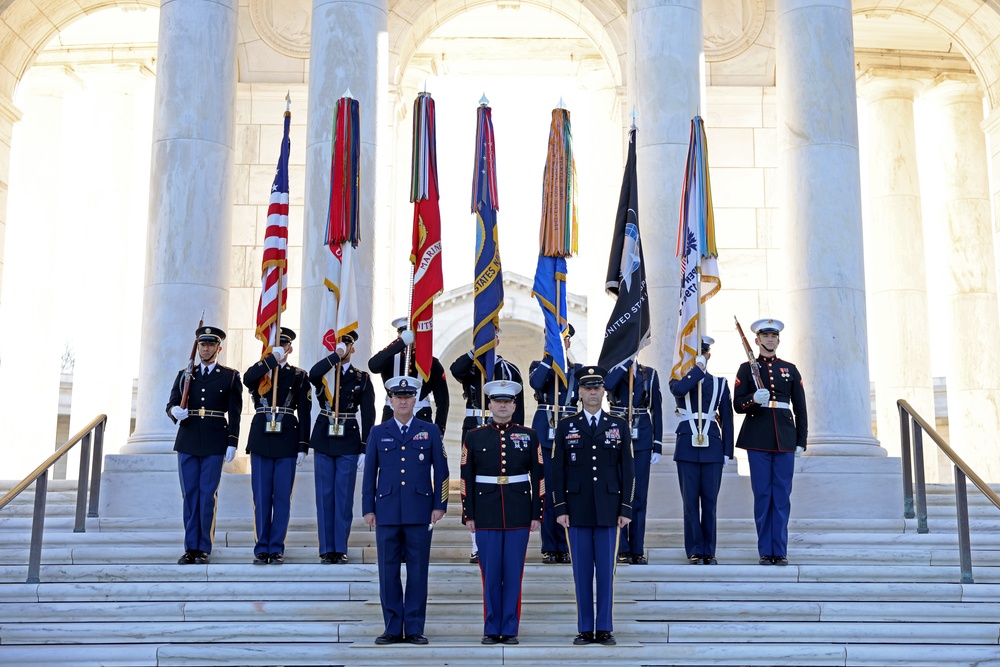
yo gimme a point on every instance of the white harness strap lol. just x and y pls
(708, 417)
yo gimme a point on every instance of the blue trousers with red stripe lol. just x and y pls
(593, 551)
(771, 481)
(501, 562)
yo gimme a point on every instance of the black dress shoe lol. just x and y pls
(510, 640)
(766, 560)
(261, 559)
(625, 558)
(584, 638)
(328, 558)
(474, 557)
(341, 559)
(779, 560)
(563, 557)
(550, 557)
(386, 638)
(709, 560)
(694, 559)
(187, 558)
(417, 639)
(490, 639)
(201, 558)
(276, 558)
(639, 559)
(605, 638)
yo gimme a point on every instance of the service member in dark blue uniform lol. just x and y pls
(593, 481)
(207, 434)
(555, 549)
(279, 440)
(774, 434)
(647, 443)
(700, 460)
(501, 503)
(389, 362)
(339, 444)
(404, 492)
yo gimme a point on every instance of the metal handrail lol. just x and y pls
(914, 472)
(40, 478)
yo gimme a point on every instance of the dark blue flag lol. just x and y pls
(488, 285)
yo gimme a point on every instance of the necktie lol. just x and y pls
(593, 423)
(204, 371)
(404, 429)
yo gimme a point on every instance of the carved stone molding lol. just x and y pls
(731, 27)
(284, 25)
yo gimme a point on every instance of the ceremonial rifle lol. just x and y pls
(189, 371)
(754, 368)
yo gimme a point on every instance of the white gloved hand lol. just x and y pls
(230, 453)
(654, 459)
(725, 461)
(408, 337)
(700, 361)
(279, 353)
(761, 396)
(799, 450)
(341, 350)
(300, 458)
(361, 462)
(179, 413)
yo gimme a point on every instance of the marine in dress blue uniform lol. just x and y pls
(773, 433)
(389, 362)
(207, 434)
(700, 461)
(647, 443)
(404, 492)
(593, 483)
(555, 548)
(502, 487)
(338, 442)
(275, 451)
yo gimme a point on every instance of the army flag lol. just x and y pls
(627, 330)
(274, 268)
(425, 253)
(488, 284)
(697, 250)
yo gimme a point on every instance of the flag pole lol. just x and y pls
(409, 322)
(277, 341)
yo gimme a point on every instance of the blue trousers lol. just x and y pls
(336, 477)
(553, 535)
(501, 562)
(200, 477)
(771, 481)
(633, 538)
(271, 481)
(403, 613)
(700, 483)
(593, 552)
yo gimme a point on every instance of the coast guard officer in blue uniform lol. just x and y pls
(339, 444)
(404, 492)
(647, 443)
(502, 491)
(592, 480)
(700, 460)
(207, 434)
(279, 440)
(555, 549)
(773, 433)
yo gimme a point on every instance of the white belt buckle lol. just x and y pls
(336, 429)
(272, 425)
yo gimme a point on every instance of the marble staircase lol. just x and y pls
(869, 593)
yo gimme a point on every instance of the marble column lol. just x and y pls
(973, 346)
(9, 115)
(820, 199)
(189, 233)
(897, 291)
(349, 50)
(665, 87)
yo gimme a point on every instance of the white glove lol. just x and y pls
(761, 396)
(179, 413)
(407, 337)
(230, 453)
(700, 361)
(725, 461)
(341, 350)
(279, 353)
(300, 458)
(361, 462)
(654, 459)
(799, 450)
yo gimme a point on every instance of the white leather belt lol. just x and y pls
(279, 410)
(563, 409)
(475, 412)
(621, 412)
(338, 415)
(778, 404)
(502, 479)
(693, 417)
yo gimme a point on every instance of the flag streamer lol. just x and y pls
(343, 224)
(488, 283)
(558, 233)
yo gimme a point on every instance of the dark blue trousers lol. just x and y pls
(633, 538)
(501, 562)
(336, 477)
(771, 481)
(200, 477)
(271, 481)
(553, 535)
(700, 483)
(593, 552)
(403, 613)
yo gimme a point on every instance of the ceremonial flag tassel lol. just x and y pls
(697, 249)
(274, 267)
(425, 253)
(488, 284)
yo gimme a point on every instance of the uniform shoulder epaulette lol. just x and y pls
(225, 368)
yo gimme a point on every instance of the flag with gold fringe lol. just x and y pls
(488, 285)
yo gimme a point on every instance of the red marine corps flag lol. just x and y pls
(425, 255)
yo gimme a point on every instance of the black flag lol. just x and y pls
(628, 328)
